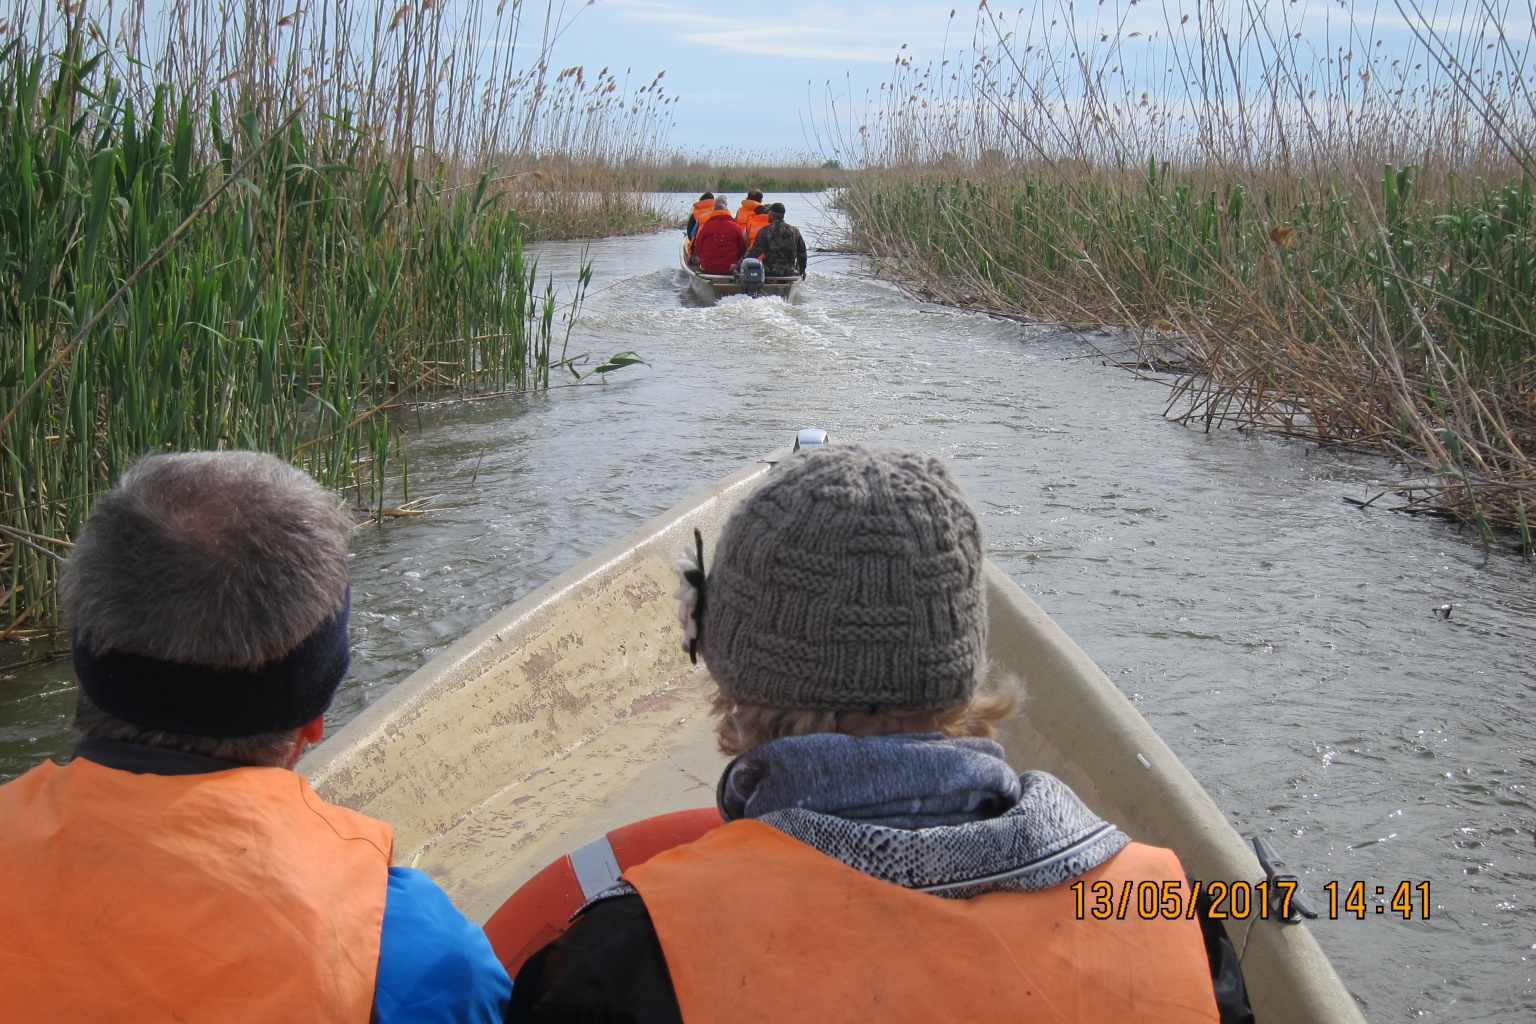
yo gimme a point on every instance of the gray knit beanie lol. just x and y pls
(850, 579)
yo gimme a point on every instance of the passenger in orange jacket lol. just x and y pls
(177, 868)
(703, 207)
(756, 221)
(879, 860)
(718, 245)
(748, 206)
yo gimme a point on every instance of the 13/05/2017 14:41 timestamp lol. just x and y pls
(1235, 900)
(1354, 900)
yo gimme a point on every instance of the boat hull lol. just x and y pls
(576, 711)
(707, 288)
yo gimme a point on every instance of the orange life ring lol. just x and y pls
(537, 913)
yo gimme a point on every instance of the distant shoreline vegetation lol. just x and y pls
(199, 254)
(736, 179)
(1337, 243)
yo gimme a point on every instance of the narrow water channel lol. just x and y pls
(1283, 642)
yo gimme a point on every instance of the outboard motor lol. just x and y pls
(752, 276)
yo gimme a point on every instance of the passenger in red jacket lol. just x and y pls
(719, 242)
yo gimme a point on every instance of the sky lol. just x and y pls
(760, 81)
(756, 79)
(752, 78)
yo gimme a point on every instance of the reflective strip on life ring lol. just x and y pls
(542, 908)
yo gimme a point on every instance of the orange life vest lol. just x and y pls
(702, 209)
(745, 210)
(232, 896)
(759, 927)
(541, 909)
(756, 223)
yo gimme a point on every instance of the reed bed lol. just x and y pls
(584, 171)
(734, 176)
(1322, 235)
(241, 228)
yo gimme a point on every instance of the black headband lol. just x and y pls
(195, 700)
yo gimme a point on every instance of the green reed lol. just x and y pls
(736, 177)
(322, 281)
(1465, 259)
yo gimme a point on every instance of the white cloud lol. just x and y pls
(775, 39)
(795, 41)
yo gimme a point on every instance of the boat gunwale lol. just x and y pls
(372, 723)
(1164, 798)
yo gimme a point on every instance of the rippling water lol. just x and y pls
(1283, 642)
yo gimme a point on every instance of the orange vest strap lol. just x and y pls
(758, 927)
(237, 895)
(541, 908)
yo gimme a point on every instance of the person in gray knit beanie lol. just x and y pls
(850, 580)
(845, 623)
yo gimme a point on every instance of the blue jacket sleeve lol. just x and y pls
(435, 967)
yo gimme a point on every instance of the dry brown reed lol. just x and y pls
(1334, 237)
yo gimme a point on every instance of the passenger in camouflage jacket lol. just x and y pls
(779, 246)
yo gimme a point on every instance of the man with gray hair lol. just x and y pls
(719, 243)
(176, 867)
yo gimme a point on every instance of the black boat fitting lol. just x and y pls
(1283, 891)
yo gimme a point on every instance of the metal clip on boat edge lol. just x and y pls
(1275, 871)
(810, 437)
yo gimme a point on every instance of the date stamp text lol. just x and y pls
(1241, 900)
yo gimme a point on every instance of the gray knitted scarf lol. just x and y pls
(909, 780)
(946, 816)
